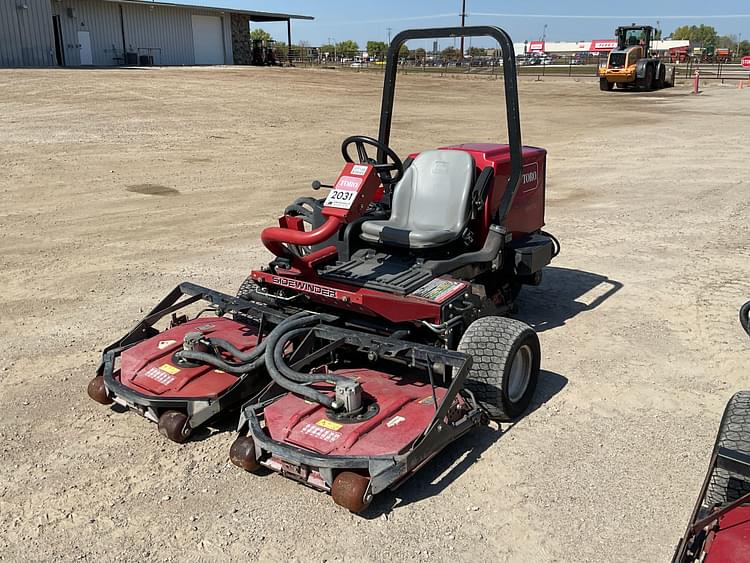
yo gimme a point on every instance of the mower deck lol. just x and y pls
(140, 372)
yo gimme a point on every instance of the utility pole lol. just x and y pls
(388, 29)
(463, 24)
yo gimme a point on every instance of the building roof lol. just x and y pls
(254, 15)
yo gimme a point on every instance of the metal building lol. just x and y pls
(125, 32)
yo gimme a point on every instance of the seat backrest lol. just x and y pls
(435, 192)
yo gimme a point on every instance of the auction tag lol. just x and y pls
(344, 192)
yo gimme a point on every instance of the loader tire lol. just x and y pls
(648, 81)
(605, 85)
(659, 83)
(505, 365)
(734, 433)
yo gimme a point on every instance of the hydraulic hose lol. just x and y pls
(276, 367)
(249, 361)
(745, 317)
(211, 360)
(288, 372)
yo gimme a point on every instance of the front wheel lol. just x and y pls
(605, 85)
(505, 365)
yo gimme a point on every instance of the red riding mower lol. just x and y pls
(719, 528)
(376, 336)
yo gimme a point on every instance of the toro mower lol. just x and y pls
(376, 336)
(719, 527)
(419, 260)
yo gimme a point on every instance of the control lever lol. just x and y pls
(316, 185)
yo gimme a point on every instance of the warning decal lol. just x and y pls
(169, 368)
(321, 433)
(438, 290)
(159, 376)
(325, 423)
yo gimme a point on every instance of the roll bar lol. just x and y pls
(511, 93)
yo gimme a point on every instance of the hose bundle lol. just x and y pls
(270, 353)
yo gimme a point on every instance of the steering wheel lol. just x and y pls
(385, 168)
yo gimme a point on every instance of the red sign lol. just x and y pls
(603, 45)
(746, 62)
(536, 46)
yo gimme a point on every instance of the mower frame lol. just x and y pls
(199, 409)
(386, 470)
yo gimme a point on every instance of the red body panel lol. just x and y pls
(395, 308)
(731, 543)
(526, 215)
(148, 368)
(406, 408)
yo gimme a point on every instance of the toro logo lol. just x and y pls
(307, 287)
(349, 183)
(530, 177)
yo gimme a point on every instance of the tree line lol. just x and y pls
(698, 35)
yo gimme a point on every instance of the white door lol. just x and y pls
(84, 44)
(208, 40)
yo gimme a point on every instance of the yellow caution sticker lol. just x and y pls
(170, 369)
(325, 423)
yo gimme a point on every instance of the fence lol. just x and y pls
(583, 66)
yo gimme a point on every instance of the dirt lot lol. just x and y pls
(117, 185)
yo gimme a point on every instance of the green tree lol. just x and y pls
(477, 52)
(699, 35)
(449, 54)
(420, 54)
(327, 48)
(403, 52)
(376, 49)
(261, 34)
(347, 48)
(744, 48)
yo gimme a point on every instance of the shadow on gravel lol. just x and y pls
(454, 460)
(563, 294)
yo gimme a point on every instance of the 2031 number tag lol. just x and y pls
(343, 193)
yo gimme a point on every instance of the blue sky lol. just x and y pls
(581, 20)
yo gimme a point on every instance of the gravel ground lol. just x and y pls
(118, 184)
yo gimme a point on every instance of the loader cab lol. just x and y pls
(638, 36)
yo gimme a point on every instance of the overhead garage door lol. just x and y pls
(208, 40)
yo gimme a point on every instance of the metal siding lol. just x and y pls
(26, 37)
(32, 42)
(100, 19)
(168, 29)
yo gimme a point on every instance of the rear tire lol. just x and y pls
(505, 368)
(734, 433)
(605, 85)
